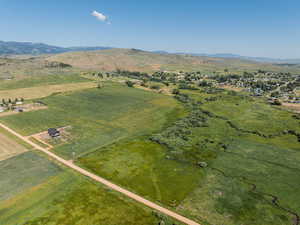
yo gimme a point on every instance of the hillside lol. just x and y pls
(15, 68)
(138, 60)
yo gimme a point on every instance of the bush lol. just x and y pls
(155, 87)
(175, 92)
(202, 164)
(130, 83)
(276, 102)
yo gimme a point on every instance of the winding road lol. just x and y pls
(104, 181)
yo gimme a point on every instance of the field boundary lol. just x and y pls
(104, 181)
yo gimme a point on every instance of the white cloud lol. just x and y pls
(100, 16)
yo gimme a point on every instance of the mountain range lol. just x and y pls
(29, 48)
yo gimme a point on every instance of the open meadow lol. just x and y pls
(35, 190)
(240, 144)
(215, 156)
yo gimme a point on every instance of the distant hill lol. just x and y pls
(235, 56)
(29, 48)
(17, 48)
(138, 60)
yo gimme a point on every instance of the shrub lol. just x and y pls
(129, 83)
(155, 87)
(175, 92)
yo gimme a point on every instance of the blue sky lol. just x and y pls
(268, 28)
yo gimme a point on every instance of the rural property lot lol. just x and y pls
(98, 116)
(43, 91)
(9, 147)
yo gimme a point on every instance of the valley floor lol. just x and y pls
(214, 156)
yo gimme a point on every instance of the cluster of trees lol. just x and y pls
(205, 83)
(57, 65)
(131, 74)
(184, 85)
(10, 101)
(10, 104)
(177, 136)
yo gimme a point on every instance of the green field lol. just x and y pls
(255, 152)
(36, 191)
(17, 173)
(98, 116)
(218, 157)
(142, 167)
(248, 168)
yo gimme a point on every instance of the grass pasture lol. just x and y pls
(248, 113)
(141, 166)
(98, 116)
(24, 171)
(65, 198)
(244, 178)
(252, 168)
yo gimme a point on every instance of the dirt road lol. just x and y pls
(104, 181)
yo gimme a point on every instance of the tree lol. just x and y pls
(129, 83)
(276, 102)
(175, 92)
(99, 85)
(155, 87)
(275, 94)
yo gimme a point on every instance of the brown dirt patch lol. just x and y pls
(44, 91)
(292, 106)
(9, 147)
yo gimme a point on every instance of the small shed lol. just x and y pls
(19, 109)
(2, 109)
(53, 132)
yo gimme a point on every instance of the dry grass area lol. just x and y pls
(292, 106)
(137, 60)
(43, 91)
(9, 147)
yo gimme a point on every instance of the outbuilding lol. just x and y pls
(53, 132)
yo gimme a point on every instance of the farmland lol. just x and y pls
(9, 147)
(215, 156)
(105, 116)
(242, 146)
(44, 90)
(37, 191)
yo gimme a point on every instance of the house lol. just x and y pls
(53, 132)
(19, 109)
